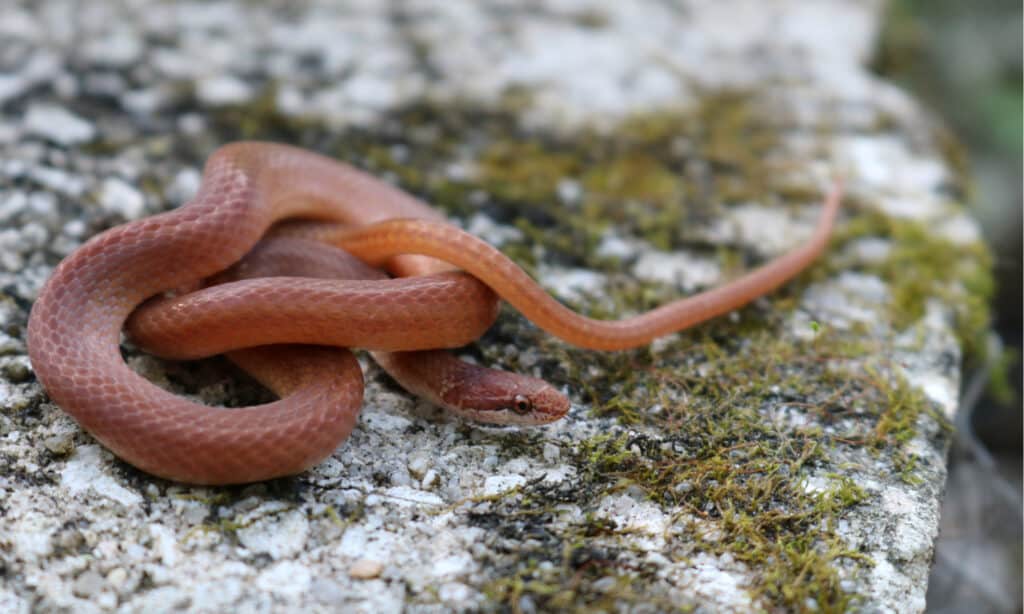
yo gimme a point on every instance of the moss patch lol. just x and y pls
(750, 424)
(923, 266)
(751, 420)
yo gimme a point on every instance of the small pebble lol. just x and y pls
(60, 444)
(57, 125)
(604, 585)
(117, 577)
(88, 584)
(327, 591)
(365, 569)
(684, 487)
(116, 196)
(17, 372)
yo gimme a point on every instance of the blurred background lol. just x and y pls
(963, 59)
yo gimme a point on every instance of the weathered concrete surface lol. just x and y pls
(790, 457)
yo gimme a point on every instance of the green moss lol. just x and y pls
(740, 477)
(959, 274)
(747, 414)
(525, 171)
(588, 582)
(636, 189)
(652, 178)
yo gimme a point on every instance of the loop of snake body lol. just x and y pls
(75, 325)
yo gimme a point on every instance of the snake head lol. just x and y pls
(533, 401)
(475, 392)
(499, 397)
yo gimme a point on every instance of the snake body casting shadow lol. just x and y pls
(75, 325)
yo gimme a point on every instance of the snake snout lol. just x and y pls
(549, 404)
(528, 401)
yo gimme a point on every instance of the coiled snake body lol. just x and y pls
(76, 323)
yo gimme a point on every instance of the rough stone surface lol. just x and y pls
(107, 117)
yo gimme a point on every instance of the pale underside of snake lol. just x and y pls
(288, 327)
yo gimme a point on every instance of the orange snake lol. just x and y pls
(75, 325)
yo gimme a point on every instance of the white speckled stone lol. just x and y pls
(497, 484)
(84, 473)
(276, 535)
(223, 90)
(57, 124)
(120, 198)
(685, 270)
(413, 491)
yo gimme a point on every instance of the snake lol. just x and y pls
(290, 327)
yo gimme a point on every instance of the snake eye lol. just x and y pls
(522, 405)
